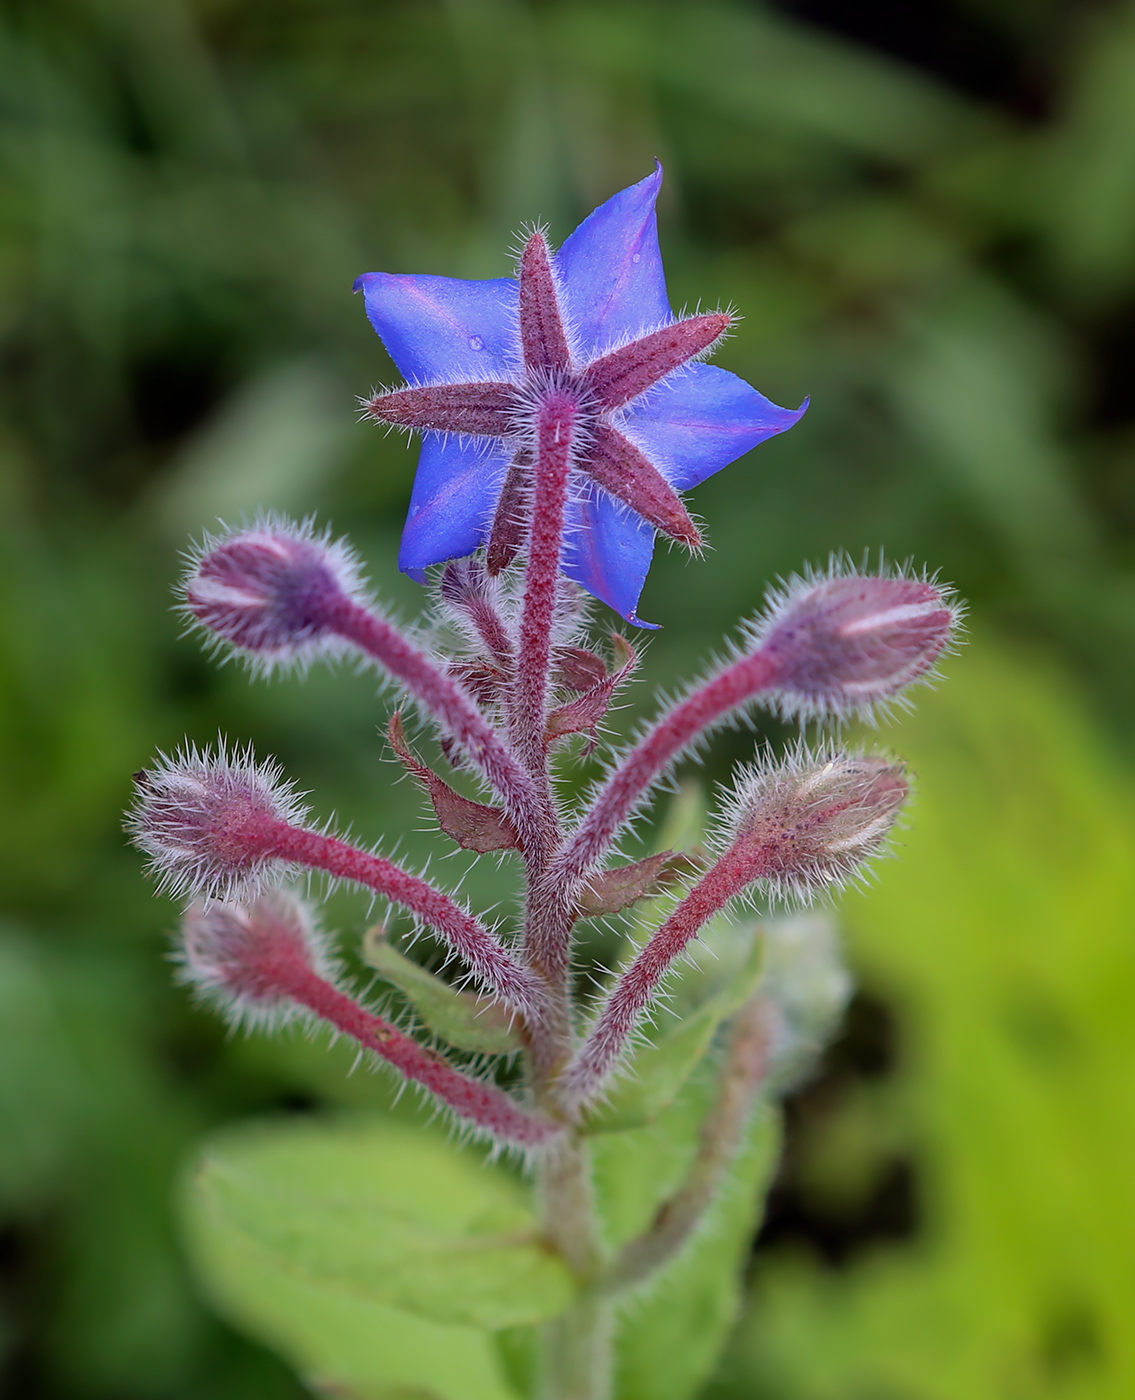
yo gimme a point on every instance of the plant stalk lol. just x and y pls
(576, 1359)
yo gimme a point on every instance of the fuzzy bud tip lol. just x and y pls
(850, 641)
(272, 591)
(253, 959)
(207, 822)
(814, 821)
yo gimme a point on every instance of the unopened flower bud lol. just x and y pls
(814, 820)
(208, 821)
(272, 591)
(253, 959)
(849, 641)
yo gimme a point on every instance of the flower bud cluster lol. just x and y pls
(602, 428)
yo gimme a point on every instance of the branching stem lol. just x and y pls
(634, 777)
(447, 702)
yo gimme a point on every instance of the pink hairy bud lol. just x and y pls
(849, 641)
(272, 591)
(219, 828)
(209, 822)
(251, 959)
(814, 820)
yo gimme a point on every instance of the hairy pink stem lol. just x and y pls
(484, 1104)
(546, 947)
(636, 774)
(492, 964)
(745, 861)
(445, 699)
(463, 585)
(555, 435)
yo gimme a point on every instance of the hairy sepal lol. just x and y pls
(474, 825)
(616, 889)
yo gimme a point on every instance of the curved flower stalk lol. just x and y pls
(563, 413)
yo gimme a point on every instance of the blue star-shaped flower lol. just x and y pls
(594, 321)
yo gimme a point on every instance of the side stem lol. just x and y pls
(636, 987)
(708, 705)
(447, 702)
(490, 961)
(481, 1103)
(722, 1133)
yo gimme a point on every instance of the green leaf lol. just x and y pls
(667, 1343)
(466, 1021)
(351, 1347)
(724, 967)
(337, 1243)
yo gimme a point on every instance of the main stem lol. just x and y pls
(546, 942)
(575, 1347)
(576, 1361)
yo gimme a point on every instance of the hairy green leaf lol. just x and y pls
(467, 1021)
(360, 1218)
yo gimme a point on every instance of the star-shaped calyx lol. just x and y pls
(589, 329)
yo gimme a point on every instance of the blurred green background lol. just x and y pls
(926, 215)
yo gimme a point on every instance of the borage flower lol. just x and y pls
(590, 331)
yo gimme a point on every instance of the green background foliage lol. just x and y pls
(927, 217)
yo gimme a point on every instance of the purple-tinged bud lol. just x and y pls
(208, 822)
(846, 642)
(814, 820)
(271, 591)
(249, 960)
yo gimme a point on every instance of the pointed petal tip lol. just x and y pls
(636, 621)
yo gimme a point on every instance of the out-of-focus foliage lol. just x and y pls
(1003, 938)
(926, 215)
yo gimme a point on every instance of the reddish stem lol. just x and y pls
(744, 862)
(637, 773)
(484, 1104)
(489, 960)
(445, 699)
(555, 436)
(528, 711)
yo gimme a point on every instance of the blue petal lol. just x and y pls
(608, 550)
(701, 419)
(444, 328)
(455, 494)
(611, 278)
